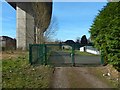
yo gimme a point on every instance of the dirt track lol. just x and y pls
(76, 77)
(66, 76)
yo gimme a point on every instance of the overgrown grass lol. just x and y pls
(68, 51)
(18, 73)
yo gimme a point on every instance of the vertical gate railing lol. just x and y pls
(38, 53)
(73, 55)
(102, 57)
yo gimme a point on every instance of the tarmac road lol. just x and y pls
(61, 58)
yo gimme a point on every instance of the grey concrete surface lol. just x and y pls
(32, 21)
(60, 58)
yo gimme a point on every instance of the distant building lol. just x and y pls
(69, 42)
(7, 43)
(67, 47)
(82, 49)
(90, 49)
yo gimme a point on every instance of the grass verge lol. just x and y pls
(18, 73)
(99, 71)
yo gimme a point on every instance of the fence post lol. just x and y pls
(73, 59)
(30, 54)
(42, 45)
(39, 54)
(45, 54)
(102, 58)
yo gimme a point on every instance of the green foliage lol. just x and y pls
(84, 40)
(105, 33)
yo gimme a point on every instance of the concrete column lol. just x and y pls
(25, 25)
(27, 15)
(21, 26)
(30, 29)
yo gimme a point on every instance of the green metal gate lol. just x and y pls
(37, 54)
(40, 53)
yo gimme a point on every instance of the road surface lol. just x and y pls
(66, 76)
(77, 77)
(61, 58)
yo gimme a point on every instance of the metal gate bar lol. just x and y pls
(38, 53)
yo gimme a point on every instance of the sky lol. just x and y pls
(74, 19)
(8, 20)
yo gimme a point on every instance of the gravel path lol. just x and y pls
(76, 77)
(60, 80)
(94, 81)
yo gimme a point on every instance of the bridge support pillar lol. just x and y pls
(25, 26)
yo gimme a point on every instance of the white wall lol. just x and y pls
(82, 49)
(66, 47)
(93, 51)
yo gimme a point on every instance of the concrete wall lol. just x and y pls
(82, 49)
(25, 25)
(7, 43)
(30, 28)
(93, 52)
(89, 49)
(21, 26)
(66, 47)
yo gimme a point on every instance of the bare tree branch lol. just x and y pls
(52, 29)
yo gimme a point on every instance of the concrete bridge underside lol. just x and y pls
(33, 19)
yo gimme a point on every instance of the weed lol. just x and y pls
(18, 73)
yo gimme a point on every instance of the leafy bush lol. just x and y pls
(105, 33)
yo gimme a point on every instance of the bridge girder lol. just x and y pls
(33, 18)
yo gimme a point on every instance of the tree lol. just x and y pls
(41, 16)
(105, 33)
(77, 43)
(84, 40)
(52, 29)
(69, 42)
(77, 40)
